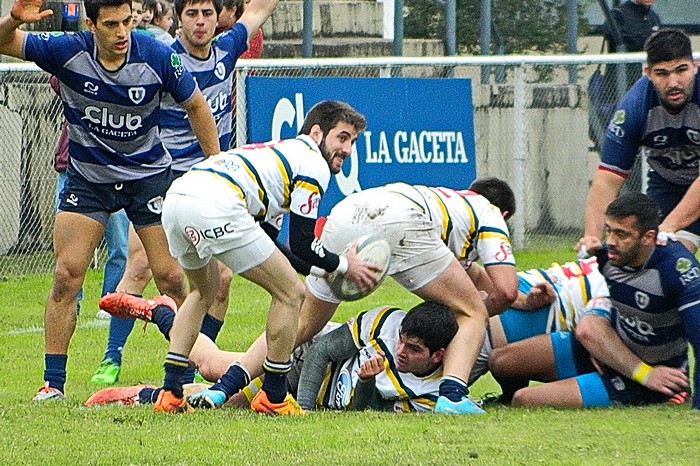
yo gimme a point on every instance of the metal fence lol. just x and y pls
(531, 116)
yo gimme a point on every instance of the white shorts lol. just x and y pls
(418, 255)
(203, 218)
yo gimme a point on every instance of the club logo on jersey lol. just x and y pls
(176, 63)
(137, 94)
(642, 299)
(220, 70)
(109, 122)
(155, 205)
(619, 117)
(90, 88)
(683, 264)
(660, 140)
(694, 136)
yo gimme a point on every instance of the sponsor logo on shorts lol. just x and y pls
(155, 205)
(72, 199)
(217, 232)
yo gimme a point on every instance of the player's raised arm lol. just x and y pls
(605, 187)
(256, 13)
(22, 11)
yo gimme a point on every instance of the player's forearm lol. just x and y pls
(685, 212)
(603, 190)
(203, 124)
(10, 37)
(597, 335)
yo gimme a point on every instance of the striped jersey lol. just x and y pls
(656, 308)
(214, 76)
(470, 226)
(374, 330)
(273, 178)
(575, 284)
(669, 141)
(113, 117)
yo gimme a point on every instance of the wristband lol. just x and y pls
(641, 373)
(342, 265)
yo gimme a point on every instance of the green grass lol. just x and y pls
(67, 433)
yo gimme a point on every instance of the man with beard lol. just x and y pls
(215, 210)
(631, 349)
(659, 117)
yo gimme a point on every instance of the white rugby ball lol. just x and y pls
(372, 249)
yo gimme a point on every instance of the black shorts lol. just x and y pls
(142, 199)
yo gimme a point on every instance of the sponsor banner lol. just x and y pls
(419, 131)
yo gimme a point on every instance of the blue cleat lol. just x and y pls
(207, 399)
(465, 406)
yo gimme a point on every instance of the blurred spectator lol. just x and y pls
(162, 21)
(232, 12)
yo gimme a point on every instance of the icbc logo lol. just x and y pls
(310, 205)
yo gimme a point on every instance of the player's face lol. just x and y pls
(112, 33)
(413, 356)
(136, 13)
(674, 81)
(626, 244)
(197, 25)
(336, 146)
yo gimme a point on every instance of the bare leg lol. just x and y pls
(531, 359)
(138, 272)
(562, 393)
(167, 273)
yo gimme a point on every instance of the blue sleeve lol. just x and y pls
(177, 81)
(624, 133)
(49, 50)
(235, 40)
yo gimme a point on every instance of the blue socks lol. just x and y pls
(275, 380)
(453, 388)
(55, 370)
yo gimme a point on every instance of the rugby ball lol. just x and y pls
(372, 249)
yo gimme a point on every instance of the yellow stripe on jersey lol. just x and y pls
(286, 179)
(472, 227)
(306, 185)
(262, 195)
(394, 380)
(374, 332)
(445, 215)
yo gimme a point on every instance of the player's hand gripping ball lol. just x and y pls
(372, 249)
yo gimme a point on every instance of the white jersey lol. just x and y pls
(575, 283)
(273, 178)
(378, 329)
(471, 227)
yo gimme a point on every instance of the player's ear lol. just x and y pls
(649, 237)
(89, 24)
(316, 133)
(438, 356)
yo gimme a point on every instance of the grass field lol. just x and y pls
(68, 433)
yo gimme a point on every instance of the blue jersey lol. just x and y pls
(113, 116)
(214, 76)
(656, 308)
(670, 142)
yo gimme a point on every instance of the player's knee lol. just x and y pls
(66, 283)
(292, 296)
(584, 333)
(523, 397)
(498, 361)
(225, 279)
(172, 283)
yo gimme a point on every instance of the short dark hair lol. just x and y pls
(666, 45)
(92, 7)
(638, 205)
(497, 192)
(181, 4)
(328, 113)
(432, 322)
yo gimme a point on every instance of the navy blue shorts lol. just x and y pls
(142, 199)
(668, 196)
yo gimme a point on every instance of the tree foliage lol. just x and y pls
(524, 26)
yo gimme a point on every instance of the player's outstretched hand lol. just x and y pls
(372, 367)
(587, 246)
(667, 380)
(539, 296)
(27, 11)
(363, 274)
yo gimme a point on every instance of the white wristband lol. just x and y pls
(342, 264)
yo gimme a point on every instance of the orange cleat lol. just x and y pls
(121, 395)
(289, 406)
(169, 403)
(126, 306)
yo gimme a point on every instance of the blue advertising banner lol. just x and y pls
(419, 131)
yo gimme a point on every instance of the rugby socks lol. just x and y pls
(234, 379)
(211, 326)
(175, 366)
(55, 370)
(274, 380)
(509, 387)
(453, 388)
(148, 395)
(119, 330)
(163, 317)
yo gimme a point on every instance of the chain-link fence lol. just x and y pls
(531, 117)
